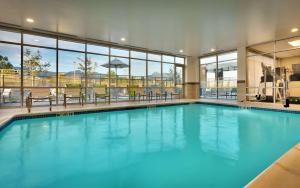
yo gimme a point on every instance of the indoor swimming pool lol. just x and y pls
(193, 145)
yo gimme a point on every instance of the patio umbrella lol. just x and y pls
(115, 63)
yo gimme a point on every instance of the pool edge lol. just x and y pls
(67, 112)
(20, 116)
(281, 167)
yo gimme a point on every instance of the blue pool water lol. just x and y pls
(167, 147)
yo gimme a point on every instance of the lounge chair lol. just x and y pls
(209, 92)
(101, 93)
(38, 95)
(114, 93)
(6, 94)
(139, 93)
(123, 93)
(73, 92)
(157, 92)
(173, 92)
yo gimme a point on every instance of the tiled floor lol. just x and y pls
(283, 173)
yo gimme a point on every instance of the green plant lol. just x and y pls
(132, 89)
(73, 85)
(90, 65)
(4, 63)
(99, 86)
(33, 64)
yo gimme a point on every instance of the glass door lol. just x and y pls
(179, 79)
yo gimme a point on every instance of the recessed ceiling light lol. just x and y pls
(295, 43)
(123, 39)
(212, 50)
(181, 50)
(294, 30)
(29, 20)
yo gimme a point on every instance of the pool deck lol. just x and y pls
(285, 172)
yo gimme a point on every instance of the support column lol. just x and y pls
(241, 74)
(192, 84)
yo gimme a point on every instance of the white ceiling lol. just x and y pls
(166, 25)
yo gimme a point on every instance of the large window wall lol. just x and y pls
(50, 64)
(273, 71)
(218, 76)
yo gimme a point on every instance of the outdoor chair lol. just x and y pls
(38, 95)
(6, 94)
(233, 92)
(73, 93)
(139, 93)
(213, 93)
(223, 93)
(114, 93)
(173, 92)
(101, 93)
(123, 93)
(158, 94)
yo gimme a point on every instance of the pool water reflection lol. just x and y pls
(177, 146)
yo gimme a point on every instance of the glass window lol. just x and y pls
(39, 40)
(208, 77)
(260, 75)
(10, 36)
(138, 72)
(139, 55)
(10, 65)
(97, 75)
(287, 70)
(97, 49)
(119, 52)
(39, 67)
(227, 56)
(219, 79)
(10, 74)
(154, 74)
(179, 75)
(154, 57)
(168, 75)
(227, 79)
(179, 79)
(119, 71)
(119, 78)
(168, 59)
(179, 60)
(97, 70)
(207, 60)
(70, 68)
(138, 67)
(63, 44)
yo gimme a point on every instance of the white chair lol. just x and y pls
(6, 94)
